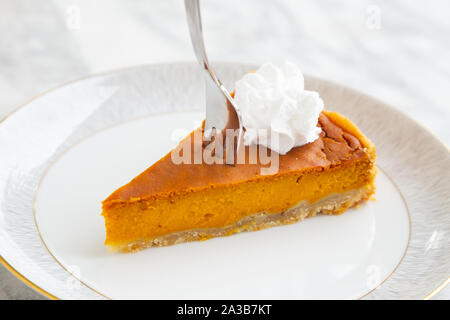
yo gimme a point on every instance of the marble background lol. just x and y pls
(396, 50)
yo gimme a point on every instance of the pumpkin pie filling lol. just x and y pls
(171, 203)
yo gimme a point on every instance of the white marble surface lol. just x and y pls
(396, 50)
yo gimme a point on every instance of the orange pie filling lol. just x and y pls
(170, 203)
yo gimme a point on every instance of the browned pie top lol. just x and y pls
(333, 147)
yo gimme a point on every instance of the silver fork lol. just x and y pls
(217, 96)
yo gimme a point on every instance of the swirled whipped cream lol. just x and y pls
(277, 112)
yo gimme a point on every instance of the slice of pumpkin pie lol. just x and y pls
(173, 202)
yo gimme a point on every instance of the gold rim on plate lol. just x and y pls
(47, 294)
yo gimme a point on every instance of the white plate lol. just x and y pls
(69, 149)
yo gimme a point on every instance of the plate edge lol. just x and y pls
(25, 280)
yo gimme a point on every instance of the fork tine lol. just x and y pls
(218, 114)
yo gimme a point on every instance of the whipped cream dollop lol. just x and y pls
(276, 110)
